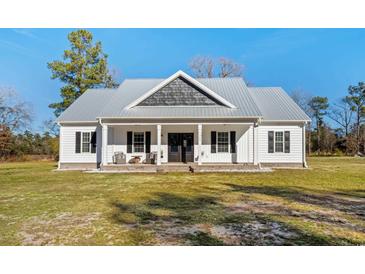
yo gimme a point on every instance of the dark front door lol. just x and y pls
(181, 147)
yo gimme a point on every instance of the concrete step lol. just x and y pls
(129, 168)
(174, 168)
(225, 168)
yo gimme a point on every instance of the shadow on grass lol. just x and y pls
(329, 201)
(204, 220)
(176, 217)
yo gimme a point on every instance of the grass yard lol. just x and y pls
(321, 206)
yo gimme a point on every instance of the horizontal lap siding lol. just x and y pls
(117, 140)
(295, 155)
(242, 144)
(67, 153)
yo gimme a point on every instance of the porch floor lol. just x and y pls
(183, 167)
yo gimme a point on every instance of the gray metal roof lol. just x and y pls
(269, 103)
(87, 107)
(276, 105)
(233, 90)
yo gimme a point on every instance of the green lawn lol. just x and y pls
(321, 206)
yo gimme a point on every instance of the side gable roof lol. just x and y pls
(87, 107)
(189, 79)
(276, 105)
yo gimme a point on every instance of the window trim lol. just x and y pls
(228, 140)
(82, 142)
(144, 141)
(283, 142)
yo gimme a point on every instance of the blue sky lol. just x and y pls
(320, 61)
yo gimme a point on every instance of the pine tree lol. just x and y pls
(84, 66)
(319, 106)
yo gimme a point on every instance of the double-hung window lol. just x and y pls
(279, 141)
(223, 142)
(138, 141)
(86, 141)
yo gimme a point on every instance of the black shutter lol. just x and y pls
(93, 142)
(78, 142)
(213, 141)
(287, 141)
(271, 141)
(233, 141)
(148, 141)
(129, 141)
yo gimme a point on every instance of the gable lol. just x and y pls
(180, 92)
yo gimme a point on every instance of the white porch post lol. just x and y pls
(104, 144)
(158, 145)
(200, 137)
(304, 149)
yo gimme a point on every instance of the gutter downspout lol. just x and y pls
(255, 129)
(59, 147)
(101, 156)
(257, 147)
(303, 146)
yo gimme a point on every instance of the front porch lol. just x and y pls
(178, 146)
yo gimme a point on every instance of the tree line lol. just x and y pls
(337, 128)
(16, 140)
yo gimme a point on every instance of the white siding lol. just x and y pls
(296, 142)
(117, 142)
(242, 154)
(67, 149)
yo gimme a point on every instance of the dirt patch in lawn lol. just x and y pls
(254, 232)
(64, 229)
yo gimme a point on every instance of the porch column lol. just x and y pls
(200, 135)
(104, 145)
(304, 149)
(158, 145)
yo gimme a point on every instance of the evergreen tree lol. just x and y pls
(84, 66)
(319, 106)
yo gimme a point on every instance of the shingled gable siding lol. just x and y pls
(179, 93)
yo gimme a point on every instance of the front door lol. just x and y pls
(181, 147)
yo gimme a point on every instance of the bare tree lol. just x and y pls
(15, 113)
(51, 127)
(228, 68)
(202, 67)
(302, 98)
(207, 67)
(357, 100)
(342, 114)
